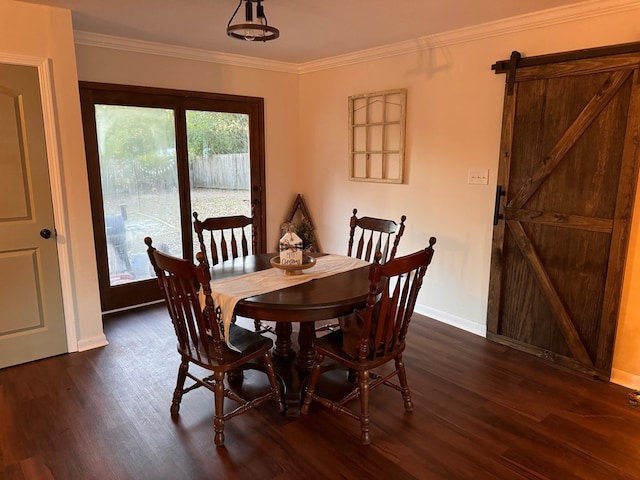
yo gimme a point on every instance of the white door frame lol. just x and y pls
(57, 195)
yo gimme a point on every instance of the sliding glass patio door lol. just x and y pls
(156, 156)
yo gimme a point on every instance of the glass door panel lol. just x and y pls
(154, 156)
(219, 164)
(139, 179)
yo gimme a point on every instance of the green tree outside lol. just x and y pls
(137, 144)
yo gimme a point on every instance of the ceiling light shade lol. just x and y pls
(254, 27)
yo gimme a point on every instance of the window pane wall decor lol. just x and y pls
(376, 136)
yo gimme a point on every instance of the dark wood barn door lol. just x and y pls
(566, 184)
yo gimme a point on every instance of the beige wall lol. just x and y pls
(453, 124)
(626, 358)
(41, 32)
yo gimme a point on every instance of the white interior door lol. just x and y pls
(32, 322)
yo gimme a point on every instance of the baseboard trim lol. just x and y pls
(92, 342)
(626, 379)
(453, 320)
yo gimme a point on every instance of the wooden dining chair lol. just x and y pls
(227, 237)
(369, 235)
(384, 323)
(200, 343)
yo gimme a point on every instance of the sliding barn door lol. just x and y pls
(566, 184)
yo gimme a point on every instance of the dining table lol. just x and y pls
(327, 297)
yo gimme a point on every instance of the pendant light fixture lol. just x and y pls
(255, 26)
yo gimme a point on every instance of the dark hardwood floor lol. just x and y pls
(481, 410)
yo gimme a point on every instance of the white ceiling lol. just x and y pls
(310, 30)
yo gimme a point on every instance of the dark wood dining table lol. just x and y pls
(318, 299)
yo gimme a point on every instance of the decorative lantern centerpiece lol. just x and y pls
(291, 249)
(292, 259)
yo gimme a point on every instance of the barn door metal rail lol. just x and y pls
(517, 61)
(504, 66)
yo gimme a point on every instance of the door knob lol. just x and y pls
(45, 233)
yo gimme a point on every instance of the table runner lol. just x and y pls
(227, 292)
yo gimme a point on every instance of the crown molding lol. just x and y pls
(553, 16)
(167, 50)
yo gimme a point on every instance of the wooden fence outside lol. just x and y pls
(230, 172)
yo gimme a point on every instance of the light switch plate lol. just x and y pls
(478, 176)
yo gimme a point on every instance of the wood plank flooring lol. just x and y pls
(481, 411)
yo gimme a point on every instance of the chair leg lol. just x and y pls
(313, 379)
(275, 386)
(404, 385)
(260, 327)
(179, 391)
(363, 385)
(218, 422)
